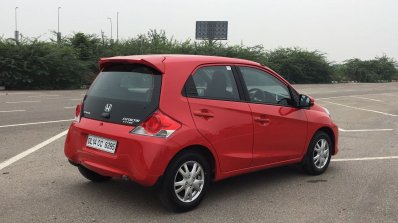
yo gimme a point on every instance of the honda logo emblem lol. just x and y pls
(108, 107)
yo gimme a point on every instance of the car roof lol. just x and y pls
(158, 61)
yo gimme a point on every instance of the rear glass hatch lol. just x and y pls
(124, 94)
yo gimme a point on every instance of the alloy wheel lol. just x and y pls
(189, 181)
(321, 153)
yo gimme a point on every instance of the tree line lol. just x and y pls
(72, 62)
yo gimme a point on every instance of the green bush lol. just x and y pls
(300, 66)
(73, 62)
(39, 65)
(378, 69)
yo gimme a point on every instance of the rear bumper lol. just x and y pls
(140, 158)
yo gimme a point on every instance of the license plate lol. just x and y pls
(106, 145)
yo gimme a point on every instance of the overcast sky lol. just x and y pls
(342, 29)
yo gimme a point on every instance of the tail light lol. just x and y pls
(158, 125)
(78, 112)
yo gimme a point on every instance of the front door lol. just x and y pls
(280, 128)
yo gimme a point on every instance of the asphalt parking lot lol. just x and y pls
(37, 184)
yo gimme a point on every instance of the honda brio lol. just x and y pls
(179, 122)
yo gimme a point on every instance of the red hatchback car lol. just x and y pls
(182, 121)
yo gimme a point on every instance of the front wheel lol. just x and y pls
(317, 159)
(185, 182)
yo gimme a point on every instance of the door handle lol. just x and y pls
(262, 119)
(204, 113)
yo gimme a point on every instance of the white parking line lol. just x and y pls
(362, 109)
(16, 93)
(31, 150)
(364, 130)
(70, 107)
(365, 158)
(393, 95)
(12, 111)
(35, 123)
(332, 97)
(43, 95)
(358, 95)
(370, 99)
(76, 99)
(16, 102)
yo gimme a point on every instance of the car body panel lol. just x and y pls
(229, 130)
(281, 136)
(318, 119)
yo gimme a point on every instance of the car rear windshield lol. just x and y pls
(123, 93)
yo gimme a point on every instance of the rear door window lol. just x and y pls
(213, 82)
(124, 94)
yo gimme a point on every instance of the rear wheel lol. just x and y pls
(318, 154)
(91, 175)
(185, 182)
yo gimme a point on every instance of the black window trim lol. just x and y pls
(246, 93)
(242, 97)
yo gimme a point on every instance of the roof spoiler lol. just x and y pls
(153, 62)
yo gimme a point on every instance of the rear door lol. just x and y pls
(280, 128)
(221, 116)
(123, 94)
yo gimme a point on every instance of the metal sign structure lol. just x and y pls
(211, 30)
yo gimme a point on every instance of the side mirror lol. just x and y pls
(305, 101)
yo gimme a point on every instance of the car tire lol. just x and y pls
(182, 190)
(319, 152)
(91, 175)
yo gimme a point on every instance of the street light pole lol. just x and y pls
(117, 27)
(16, 19)
(58, 17)
(110, 20)
(58, 33)
(16, 34)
